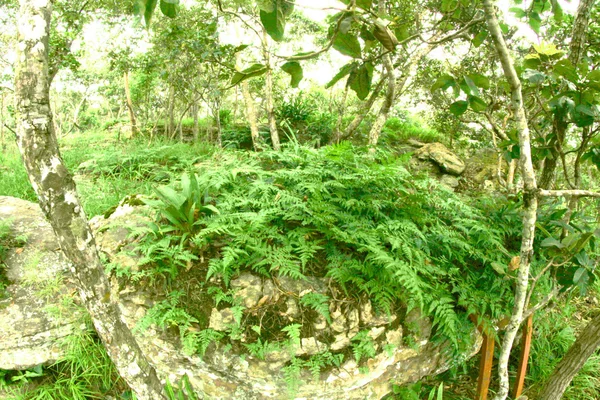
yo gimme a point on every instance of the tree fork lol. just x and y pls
(58, 198)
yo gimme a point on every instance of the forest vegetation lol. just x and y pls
(279, 138)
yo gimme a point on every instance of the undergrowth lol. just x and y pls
(364, 222)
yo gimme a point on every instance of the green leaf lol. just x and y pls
(551, 242)
(565, 69)
(295, 70)
(347, 44)
(364, 4)
(480, 80)
(472, 88)
(557, 10)
(477, 104)
(274, 23)
(169, 7)
(443, 82)
(459, 107)
(345, 70)
(360, 80)
(594, 79)
(535, 22)
(547, 49)
(149, 7)
(253, 70)
(480, 38)
(519, 12)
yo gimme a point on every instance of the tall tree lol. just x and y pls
(58, 198)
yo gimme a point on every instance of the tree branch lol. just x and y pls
(571, 193)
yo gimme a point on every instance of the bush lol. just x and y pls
(399, 129)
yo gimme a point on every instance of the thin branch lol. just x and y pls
(455, 34)
(571, 193)
(543, 303)
(9, 128)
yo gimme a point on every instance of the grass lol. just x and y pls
(119, 169)
(86, 372)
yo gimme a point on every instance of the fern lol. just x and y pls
(318, 302)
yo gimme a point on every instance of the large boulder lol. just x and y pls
(38, 309)
(403, 350)
(441, 156)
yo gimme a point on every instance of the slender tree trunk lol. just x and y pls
(58, 198)
(269, 95)
(132, 120)
(217, 117)
(586, 344)
(364, 110)
(251, 115)
(337, 132)
(195, 117)
(530, 201)
(250, 111)
(386, 106)
(171, 113)
(560, 125)
(77, 112)
(2, 140)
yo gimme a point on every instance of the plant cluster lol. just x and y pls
(364, 222)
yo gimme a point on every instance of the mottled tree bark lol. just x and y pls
(58, 198)
(586, 344)
(388, 101)
(132, 120)
(269, 95)
(195, 117)
(530, 201)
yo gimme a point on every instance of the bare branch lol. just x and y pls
(571, 193)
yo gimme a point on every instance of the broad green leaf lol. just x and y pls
(565, 69)
(345, 70)
(443, 82)
(532, 61)
(547, 49)
(459, 107)
(557, 10)
(535, 22)
(253, 70)
(473, 89)
(347, 44)
(364, 4)
(266, 5)
(480, 80)
(295, 70)
(551, 242)
(519, 12)
(480, 38)
(150, 5)
(274, 23)
(477, 104)
(169, 7)
(360, 80)
(594, 79)
(534, 76)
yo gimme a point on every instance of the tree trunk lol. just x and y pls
(58, 198)
(386, 106)
(2, 140)
(360, 116)
(530, 200)
(217, 116)
(171, 113)
(77, 112)
(251, 116)
(586, 344)
(195, 117)
(132, 121)
(560, 125)
(337, 132)
(269, 95)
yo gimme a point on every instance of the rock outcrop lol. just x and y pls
(440, 155)
(30, 335)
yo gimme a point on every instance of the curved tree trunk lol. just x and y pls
(360, 116)
(58, 198)
(530, 200)
(586, 344)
